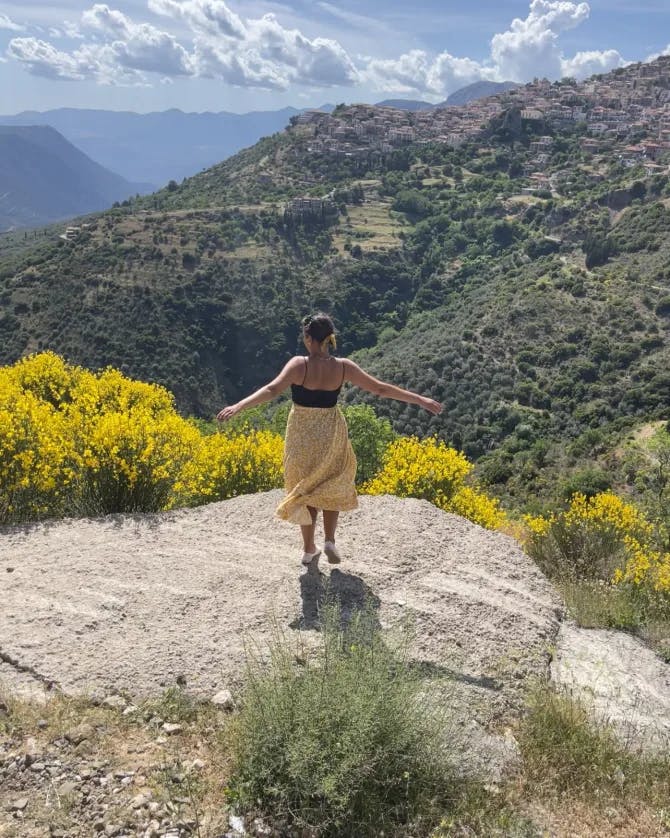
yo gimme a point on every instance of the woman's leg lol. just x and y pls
(308, 532)
(330, 524)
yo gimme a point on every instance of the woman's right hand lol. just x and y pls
(430, 405)
(227, 413)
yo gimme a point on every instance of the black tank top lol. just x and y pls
(305, 397)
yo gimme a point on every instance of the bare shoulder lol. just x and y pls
(292, 370)
(354, 373)
(350, 368)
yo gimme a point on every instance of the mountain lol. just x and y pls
(157, 147)
(462, 96)
(508, 258)
(477, 90)
(406, 104)
(44, 178)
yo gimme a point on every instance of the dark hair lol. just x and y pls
(318, 326)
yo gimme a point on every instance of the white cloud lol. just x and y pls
(263, 53)
(109, 21)
(152, 51)
(585, 64)
(407, 74)
(257, 52)
(530, 47)
(43, 59)
(320, 61)
(656, 55)
(91, 61)
(209, 16)
(7, 23)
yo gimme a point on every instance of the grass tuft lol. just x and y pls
(568, 753)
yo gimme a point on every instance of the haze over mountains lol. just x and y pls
(155, 148)
(44, 178)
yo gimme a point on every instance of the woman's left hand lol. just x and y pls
(227, 413)
(430, 405)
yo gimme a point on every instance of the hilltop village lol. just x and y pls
(630, 105)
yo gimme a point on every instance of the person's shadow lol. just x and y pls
(348, 593)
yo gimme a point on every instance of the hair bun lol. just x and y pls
(319, 326)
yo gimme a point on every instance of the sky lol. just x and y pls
(244, 55)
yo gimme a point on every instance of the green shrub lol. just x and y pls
(370, 437)
(346, 744)
(588, 482)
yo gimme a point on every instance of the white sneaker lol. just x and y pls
(330, 550)
(308, 558)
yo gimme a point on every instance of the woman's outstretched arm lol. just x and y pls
(362, 379)
(289, 375)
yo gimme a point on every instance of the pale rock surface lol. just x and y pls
(620, 678)
(138, 603)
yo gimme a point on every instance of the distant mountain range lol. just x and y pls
(478, 90)
(44, 178)
(157, 147)
(406, 104)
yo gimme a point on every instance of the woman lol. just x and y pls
(319, 462)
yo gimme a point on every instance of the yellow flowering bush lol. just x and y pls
(73, 441)
(429, 470)
(601, 537)
(38, 460)
(228, 465)
(131, 460)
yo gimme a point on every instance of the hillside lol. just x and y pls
(157, 147)
(44, 178)
(508, 257)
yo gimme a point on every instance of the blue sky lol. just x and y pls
(215, 55)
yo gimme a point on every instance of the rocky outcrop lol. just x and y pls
(139, 603)
(620, 679)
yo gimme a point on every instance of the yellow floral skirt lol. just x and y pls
(319, 464)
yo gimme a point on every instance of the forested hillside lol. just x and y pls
(521, 276)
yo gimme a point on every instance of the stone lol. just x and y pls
(237, 824)
(79, 734)
(139, 801)
(116, 702)
(171, 728)
(18, 805)
(224, 700)
(67, 789)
